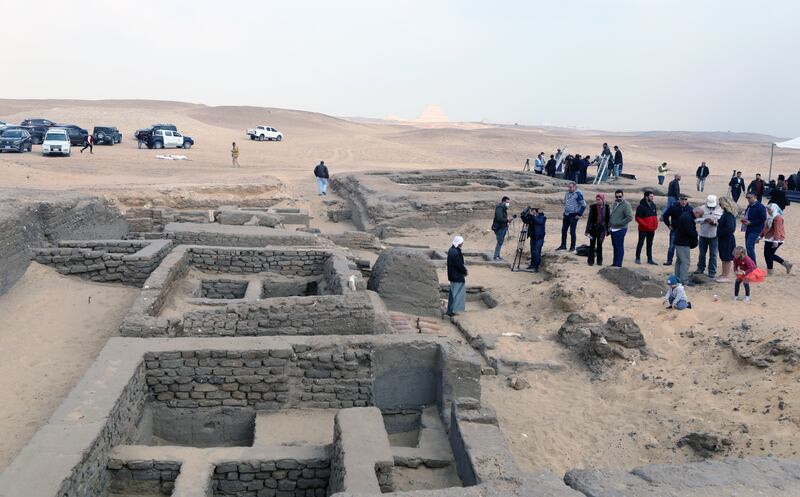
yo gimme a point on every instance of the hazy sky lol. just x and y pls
(615, 64)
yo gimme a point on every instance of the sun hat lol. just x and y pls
(711, 201)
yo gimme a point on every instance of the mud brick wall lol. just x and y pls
(223, 288)
(337, 273)
(264, 379)
(355, 239)
(218, 235)
(361, 458)
(350, 314)
(286, 262)
(124, 261)
(285, 477)
(143, 476)
(90, 478)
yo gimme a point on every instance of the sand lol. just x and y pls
(632, 416)
(50, 334)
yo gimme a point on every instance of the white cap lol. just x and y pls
(711, 201)
(457, 240)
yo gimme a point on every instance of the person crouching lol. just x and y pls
(675, 298)
(456, 274)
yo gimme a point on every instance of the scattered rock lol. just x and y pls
(518, 383)
(600, 344)
(637, 283)
(706, 444)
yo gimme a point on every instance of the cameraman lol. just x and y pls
(536, 231)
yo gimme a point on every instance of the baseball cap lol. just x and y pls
(672, 280)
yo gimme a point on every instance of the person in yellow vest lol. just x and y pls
(662, 173)
(235, 155)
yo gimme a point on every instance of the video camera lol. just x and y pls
(527, 214)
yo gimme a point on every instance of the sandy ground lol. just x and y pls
(51, 327)
(569, 418)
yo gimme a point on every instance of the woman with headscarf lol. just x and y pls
(726, 240)
(597, 228)
(777, 194)
(456, 274)
(773, 236)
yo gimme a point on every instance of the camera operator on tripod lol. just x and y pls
(535, 220)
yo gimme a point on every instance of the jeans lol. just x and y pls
(680, 305)
(645, 236)
(701, 184)
(500, 235)
(708, 245)
(671, 249)
(536, 252)
(769, 254)
(735, 195)
(683, 256)
(617, 170)
(322, 185)
(661, 180)
(746, 288)
(750, 244)
(569, 222)
(618, 243)
(596, 250)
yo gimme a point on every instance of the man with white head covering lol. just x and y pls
(456, 273)
(707, 229)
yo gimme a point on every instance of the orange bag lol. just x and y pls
(757, 275)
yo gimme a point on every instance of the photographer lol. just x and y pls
(536, 230)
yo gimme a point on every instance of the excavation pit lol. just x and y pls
(223, 289)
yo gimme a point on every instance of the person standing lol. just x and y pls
(621, 214)
(538, 165)
(673, 191)
(757, 186)
(321, 173)
(536, 231)
(701, 174)
(755, 215)
(647, 219)
(708, 243)
(685, 241)
(88, 144)
(736, 185)
(774, 235)
(583, 169)
(778, 194)
(550, 167)
(574, 205)
(597, 228)
(235, 155)
(670, 218)
(500, 225)
(456, 275)
(617, 161)
(746, 272)
(662, 173)
(726, 239)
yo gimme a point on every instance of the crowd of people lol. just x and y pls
(710, 229)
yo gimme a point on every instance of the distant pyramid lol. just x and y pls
(432, 114)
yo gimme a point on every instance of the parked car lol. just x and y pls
(56, 141)
(37, 127)
(106, 135)
(77, 135)
(144, 136)
(262, 133)
(3, 124)
(164, 138)
(15, 139)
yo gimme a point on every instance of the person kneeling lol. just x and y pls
(675, 298)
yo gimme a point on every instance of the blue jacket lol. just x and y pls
(536, 228)
(757, 215)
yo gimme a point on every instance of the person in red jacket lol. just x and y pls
(746, 272)
(647, 219)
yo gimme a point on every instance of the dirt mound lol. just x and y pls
(638, 284)
(776, 348)
(600, 345)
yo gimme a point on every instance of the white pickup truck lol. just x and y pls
(262, 133)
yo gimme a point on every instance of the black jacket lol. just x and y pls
(500, 217)
(686, 231)
(594, 228)
(736, 184)
(618, 157)
(536, 229)
(321, 171)
(726, 225)
(702, 172)
(550, 167)
(674, 213)
(674, 189)
(456, 270)
(756, 186)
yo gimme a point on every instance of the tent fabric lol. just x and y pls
(789, 144)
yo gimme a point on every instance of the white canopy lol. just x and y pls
(789, 144)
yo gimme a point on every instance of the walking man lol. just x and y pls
(736, 185)
(708, 222)
(670, 218)
(755, 216)
(574, 205)
(321, 173)
(235, 155)
(673, 191)
(662, 173)
(456, 274)
(647, 219)
(617, 161)
(701, 174)
(621, 216)
(685, 241)
(500, 225)
(757, 187)
(88, 144)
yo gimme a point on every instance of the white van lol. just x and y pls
(56, 141)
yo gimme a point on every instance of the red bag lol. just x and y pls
(757, 275)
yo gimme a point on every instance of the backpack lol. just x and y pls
(582, 250)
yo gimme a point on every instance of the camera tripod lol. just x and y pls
(523, 236)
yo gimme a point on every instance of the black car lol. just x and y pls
(15, 140)
(37, 127)
(106, 135)
(144, 136)
(77, 135)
